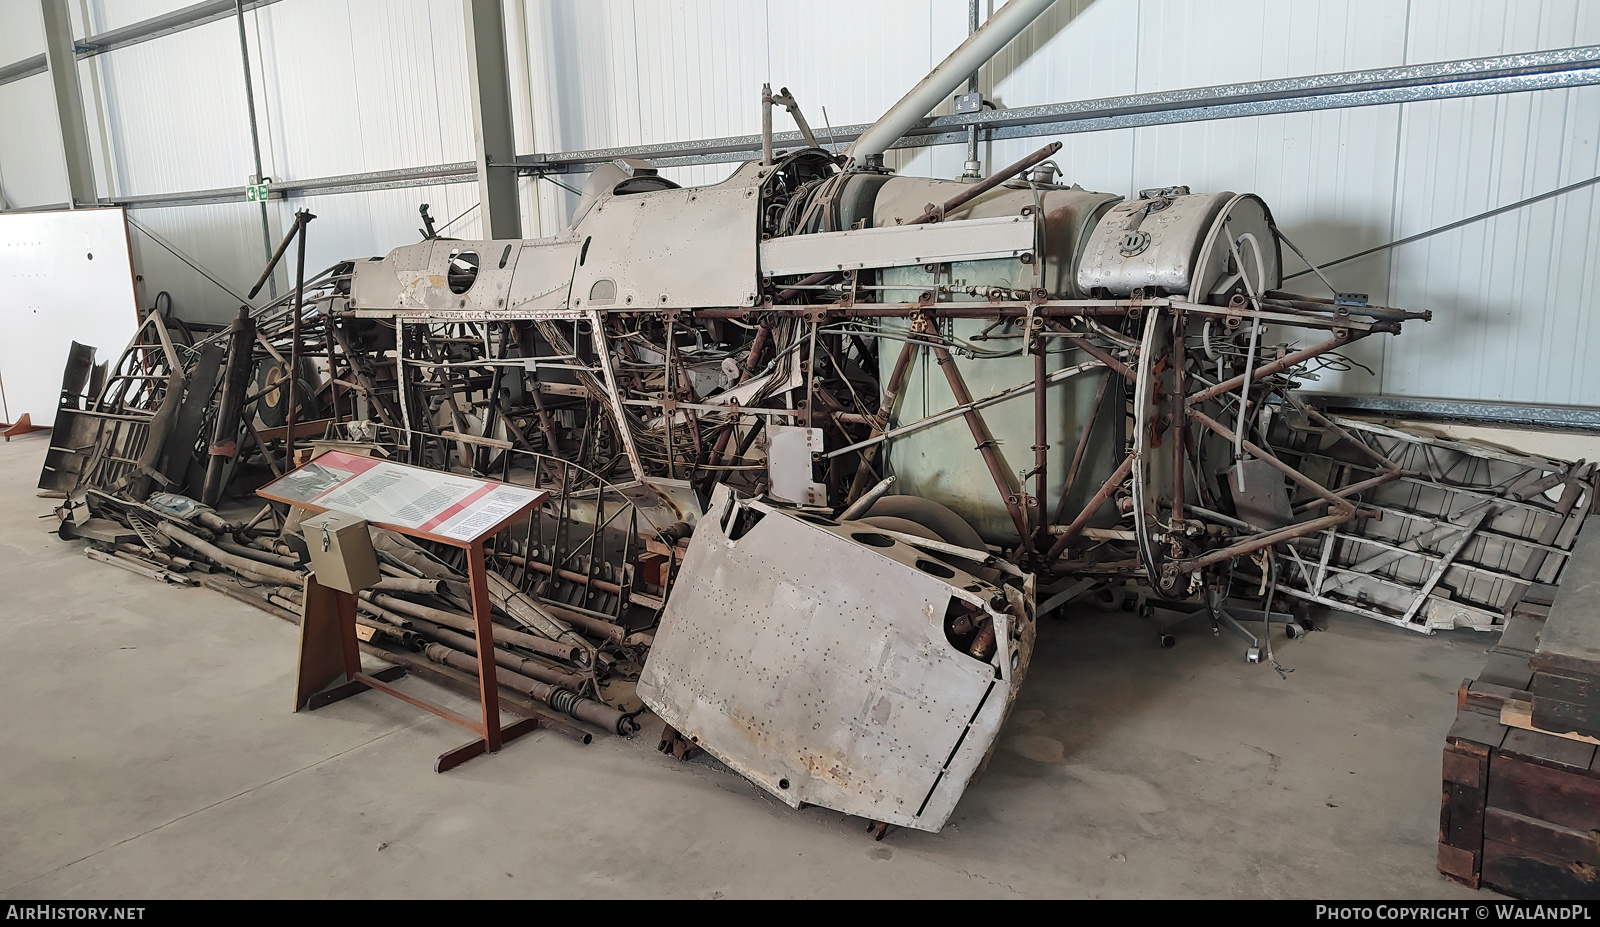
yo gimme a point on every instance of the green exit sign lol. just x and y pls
(256, 192)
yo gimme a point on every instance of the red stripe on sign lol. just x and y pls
(456, 509)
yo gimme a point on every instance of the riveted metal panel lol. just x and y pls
(817, 665)
(687, 248)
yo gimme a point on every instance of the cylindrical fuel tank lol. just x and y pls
(1177, 243)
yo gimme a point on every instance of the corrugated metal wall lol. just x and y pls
(357, 85)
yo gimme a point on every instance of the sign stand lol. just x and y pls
(426, 504)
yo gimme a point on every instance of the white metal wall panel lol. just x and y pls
(176, 113)
(23, 32)
(106, 15)
(225, 239)
(1514, 296)
(33, 171)
(383, 86)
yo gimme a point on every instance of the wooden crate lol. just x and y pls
(1520, 808)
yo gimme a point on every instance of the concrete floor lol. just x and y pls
(147, 750)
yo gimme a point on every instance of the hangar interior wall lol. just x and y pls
(343, 86)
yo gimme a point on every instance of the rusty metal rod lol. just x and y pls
(805, 282)
(1041, 438)
(277, 256)
(1179, 433)
(1277, 366)
(562, 700)
(589, 624)
(177, 563)
(467, 684)
(1099, 499)
(908, 310)
(277, 560)
(409, 584)
(301, 218)
(255, 569)
(980, 434)
(1350, 490)
(542, 567)
(1083, 445)
(464, 622)
(1329, 424)
(1265, 540)
(880, 418)
(1266, 457)
(1101, 355)
(518, 664)
(978, 189)
(758, 344)
(233, 592)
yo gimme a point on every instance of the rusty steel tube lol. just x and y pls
(1345, 492)
(589, 624)
(562, 700)
(255, 569)
(1041, 437)
(240, 595)
(758, 344)
(975, 424)
(179, 563)
(1266, 540)
(454, 679)
(1267, 458)
(517, 664)
(410, 584)
(277, 560)
(880, 419)
(1076, 528)
(978, 189)
(464, 622)
(1083, 445)
(540, 566)
(1103, 357)
(1277, 366)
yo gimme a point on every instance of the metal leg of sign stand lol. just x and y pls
(330, 665)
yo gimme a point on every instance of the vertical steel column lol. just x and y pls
(62, 62)
(973, 167)
(491, 120)
(255, 143)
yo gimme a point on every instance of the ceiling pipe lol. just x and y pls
(979, 47)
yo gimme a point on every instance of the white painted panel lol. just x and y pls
(22, 35)
(384, 85)
(33, 171)
(106, 15)
(224, 239)
(175, 112)
(67, 276)
(1514, 296)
